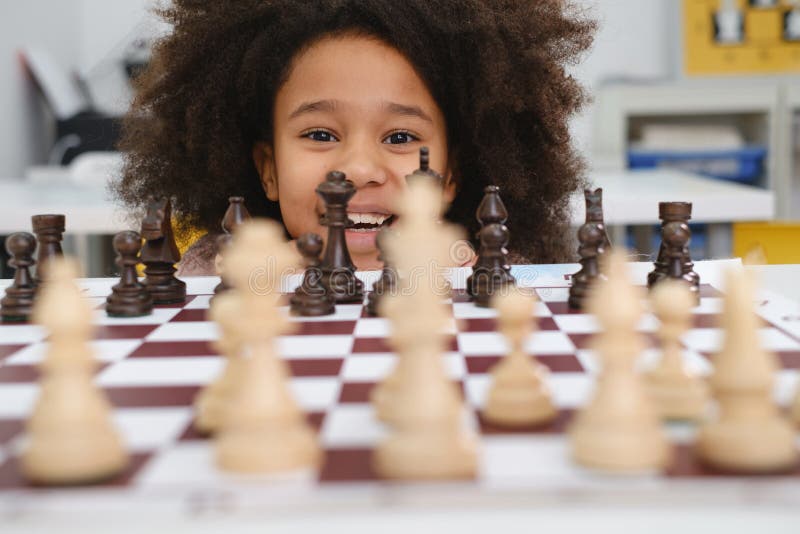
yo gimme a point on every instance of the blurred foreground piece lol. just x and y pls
(72, 439)
(619, 429)
(749, 433)
(677, 392)
(519, 395)
(262, 428)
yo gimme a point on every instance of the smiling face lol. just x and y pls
(356, 105)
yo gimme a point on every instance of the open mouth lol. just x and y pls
(369, 222)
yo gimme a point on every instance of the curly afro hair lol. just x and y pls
(496, 68)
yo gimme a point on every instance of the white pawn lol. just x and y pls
(677, 392)
(519, 395)
(210, 405)
(749, 433)
(72, 438)
(262, 429)
(619, 430)
(428, 440)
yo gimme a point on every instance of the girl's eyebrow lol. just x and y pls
(408, 111)
(330, 106)
(311, 107)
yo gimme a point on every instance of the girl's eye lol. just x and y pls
(400, 138)
(322, 136)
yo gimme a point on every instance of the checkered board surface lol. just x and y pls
(151, 368)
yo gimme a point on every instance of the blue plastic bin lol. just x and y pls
(743, 165)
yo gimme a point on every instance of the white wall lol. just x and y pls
(34, 22)
(636, 40)
(89, 35)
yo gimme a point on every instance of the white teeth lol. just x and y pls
(367, 218)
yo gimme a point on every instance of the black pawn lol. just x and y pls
(338, 270)
(310, 298)
(17, 303)
(128, 298)
(388, 281)
(492, 275)
(592, 238)
(234, 216)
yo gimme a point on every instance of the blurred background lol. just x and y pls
(695, 100)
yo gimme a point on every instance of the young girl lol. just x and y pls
(261, 98)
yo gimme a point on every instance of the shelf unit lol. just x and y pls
(764, 110)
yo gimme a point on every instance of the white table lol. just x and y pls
(632, 197)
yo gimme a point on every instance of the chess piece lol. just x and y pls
(17, 303)
(310, 299)
(749, 434)
(49, 230)
(680, 213)
(71, 436)
(129, 297)
(338, 270)
(211, 403)
(427, 439)
(234, 216)
(491, 271)
(592, 239)
(160, 254)
(424, 172)
(263, 429)
(519, 395)
(619, 430)
(677, 392)
(388, 281)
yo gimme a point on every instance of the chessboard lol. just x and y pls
(151, 368)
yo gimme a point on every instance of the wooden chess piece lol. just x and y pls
(424, 172)
(160, 254)
(388, 282)
(491, 273)
(519, 395)
(338, 269)
(675, 239)
(234, 216)
(591, 237)
(749, 433)
(263, 429)
(619, 429)
(128, 298)
(677, 392)
(17, 304)
(211, 403)
(679, 212)
(491, 270)
(72, 439)
(594, 214)
(310, 299)
(49, 230)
